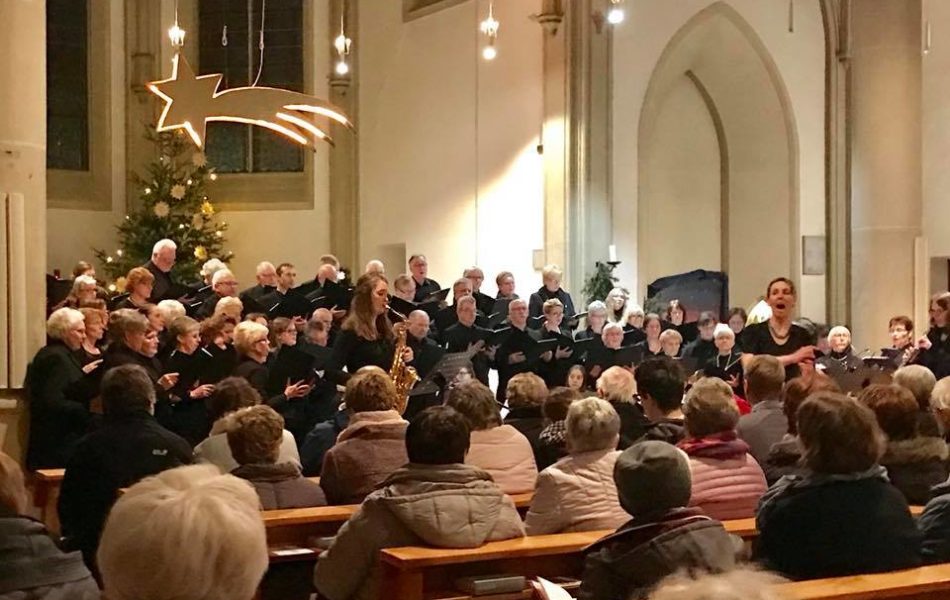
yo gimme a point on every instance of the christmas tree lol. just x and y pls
(600, 282)
(173, 203)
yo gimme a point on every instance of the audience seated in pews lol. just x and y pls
(372, 446)
(577, 493)
(727, 481)
(434, 500)
(940, 406)
(230, 395)
(186, 534)
(842, 516)
(57, 417)
(743, 583)
(525, 395)
(128, 446)
(31, 566)
(766, 424)
(255, 435)
(500, 450)
(920, 381)
(617, 386)
(663, 535)
(785, 455)
(914, 462)
(661, 383)
(552, 442)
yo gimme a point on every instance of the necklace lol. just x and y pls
(779, 336)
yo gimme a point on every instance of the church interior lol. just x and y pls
(786, 154)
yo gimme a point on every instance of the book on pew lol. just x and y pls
(548, 590)
(484, 585)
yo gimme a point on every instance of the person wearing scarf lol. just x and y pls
(727, 482)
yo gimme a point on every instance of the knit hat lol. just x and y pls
(652, 477)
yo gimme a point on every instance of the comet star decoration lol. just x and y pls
(192, 101)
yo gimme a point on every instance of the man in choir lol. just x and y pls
(476, 276)
(703, 348)
(464, 336)
(419, 267)
(404, 287)
(330, 259)
(266, 276)
(426, 353)
(510, 358)
(506, 286)
(163, 259)
(447, 317)
(375, 266)
(224, 285)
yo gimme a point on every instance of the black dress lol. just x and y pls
(57, 419)
(353, 352)
(937, 358)
(459, 337)
(537, 300)
(757, 339)
(189, 416)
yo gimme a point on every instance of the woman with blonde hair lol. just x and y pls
(253, 349)
(551, 277)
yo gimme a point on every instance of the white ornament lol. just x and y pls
(196, 221)
(161, 209)
(199, 159)
(178, 191)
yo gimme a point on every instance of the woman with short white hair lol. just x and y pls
(230, 306)
(253, 347)
(551, 277)
(840, 357)
(210, 267)
(171, 310)
(577, 493)
(671, 341)
(58, 417)
(189, 533)
(596, 319)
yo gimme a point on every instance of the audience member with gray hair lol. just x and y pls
(744, 583)
(920, 381)
(617, 386)
(57, 417)
(128, 446)
(31, 566)
(500, 449)
(577, 493)
(940, 406)
(255, 435)
(189, 533)
(727, 480)
(596, 319)
(664, 536)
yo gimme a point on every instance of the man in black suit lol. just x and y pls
(447, 317)
(163, 259)
(266, 276)
(419, 267)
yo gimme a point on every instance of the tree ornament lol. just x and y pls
(161, 209)
(201, 253)
(178, 191)
(199, 159)
(192, 101)
(197, 221)
(207, 209)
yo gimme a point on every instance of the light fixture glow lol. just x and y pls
(489, 27)
(342, 68)
(489, 53)
(615, 15)
(176, 35)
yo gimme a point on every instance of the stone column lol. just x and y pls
(22, 207)
(886, 164)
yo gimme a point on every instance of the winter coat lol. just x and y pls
(281, 485)
(916, 465)
(818, 525)
(934, 525)
(371, 448)
(57, 420)
(319, 441)
(505, 454)
(529, 421)
(124, 450)
(633, 423)
(447, 506)
(626, 564)
(763, 427)
(784, 459)
(577, 493)
(727, 482)
(215, 448)
(33, 568)
(670, 431)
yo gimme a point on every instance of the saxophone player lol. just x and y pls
(367, 336)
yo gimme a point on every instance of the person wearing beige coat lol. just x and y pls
(578, 492)
(501, 450)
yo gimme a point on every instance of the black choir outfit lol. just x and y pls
(426, 287)
(256, 293)
(353, 352)
(188, 416)
(537, 300)
(937, 358)
(459, 337)
(757, 339)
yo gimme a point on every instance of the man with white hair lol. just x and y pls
(375, 266)
(447, 317)
(425, 351)
(266, 276)
(160, 265)
(464, 336)
(224, 285)
(189, 533)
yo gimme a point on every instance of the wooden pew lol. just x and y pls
(46, 488)
(931, 582)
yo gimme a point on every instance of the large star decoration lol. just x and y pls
(192, 101)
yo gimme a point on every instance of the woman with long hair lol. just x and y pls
(367, 336)
(935, 346)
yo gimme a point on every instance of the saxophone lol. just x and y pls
(402, 375)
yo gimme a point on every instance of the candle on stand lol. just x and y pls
(612, 253)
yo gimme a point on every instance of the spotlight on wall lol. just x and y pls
(615, 13)
(489, 27)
